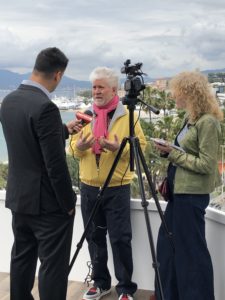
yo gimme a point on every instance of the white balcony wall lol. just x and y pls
(143, 271)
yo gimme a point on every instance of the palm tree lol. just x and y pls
(165, 102)
(163, 127)
(166, 128)
(149, 97)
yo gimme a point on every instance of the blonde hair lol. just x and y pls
(197, 94)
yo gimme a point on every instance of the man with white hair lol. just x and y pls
(96, 147)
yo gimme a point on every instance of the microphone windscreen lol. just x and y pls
(88, 112)
(85, 117)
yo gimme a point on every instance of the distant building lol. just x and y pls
(121, 93)
(160, 84)
(216, 77)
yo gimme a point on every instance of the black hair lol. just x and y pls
(50, 60)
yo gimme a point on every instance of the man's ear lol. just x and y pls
(58, 76)
(114, 90)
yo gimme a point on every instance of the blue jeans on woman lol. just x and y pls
(186, 272)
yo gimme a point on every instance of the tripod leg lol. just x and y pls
(98, 202)
(154, 195)
(144, 204)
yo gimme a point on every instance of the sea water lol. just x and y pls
(66, 117)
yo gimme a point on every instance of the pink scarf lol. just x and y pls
(101, 120)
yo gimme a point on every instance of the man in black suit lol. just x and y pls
(39, 189)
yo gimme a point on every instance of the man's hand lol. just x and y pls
(85, 142)
(111, 146)
(74, 126)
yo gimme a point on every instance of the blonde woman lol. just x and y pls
(187, 272)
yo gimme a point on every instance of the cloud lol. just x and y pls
(167, 36)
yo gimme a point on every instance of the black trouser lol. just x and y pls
(187, 273)
(47, 237)
(113, 215)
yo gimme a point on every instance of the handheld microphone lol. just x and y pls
(85, 117)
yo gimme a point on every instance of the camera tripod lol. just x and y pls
(136, 155)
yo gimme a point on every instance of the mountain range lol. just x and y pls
(214, 71)
(11, 80)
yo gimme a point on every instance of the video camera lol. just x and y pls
(134, 83)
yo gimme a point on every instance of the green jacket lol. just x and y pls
(197, 169)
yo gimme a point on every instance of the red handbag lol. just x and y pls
(164, 189)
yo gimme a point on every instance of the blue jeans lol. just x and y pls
(187, 272)
(113, 216)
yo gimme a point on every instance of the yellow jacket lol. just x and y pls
(89, 173)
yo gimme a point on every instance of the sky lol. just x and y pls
(167, 36)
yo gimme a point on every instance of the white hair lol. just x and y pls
(107, 74)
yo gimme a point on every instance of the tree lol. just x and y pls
(73, 166)
(166, 128)
(160, 99)
(149, 97)
(147, 127)
(3, 175)
(165, 102)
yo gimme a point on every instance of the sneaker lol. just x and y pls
(125, 297)
(95, 293)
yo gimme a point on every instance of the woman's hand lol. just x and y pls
(163, 149)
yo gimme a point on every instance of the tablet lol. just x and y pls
(165, 143)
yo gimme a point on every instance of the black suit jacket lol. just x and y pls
(38, 178)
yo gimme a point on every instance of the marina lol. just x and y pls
(66, 115)
(68, 107)
(64, 103)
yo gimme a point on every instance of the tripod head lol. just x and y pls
(133, 86)
(134, 83)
